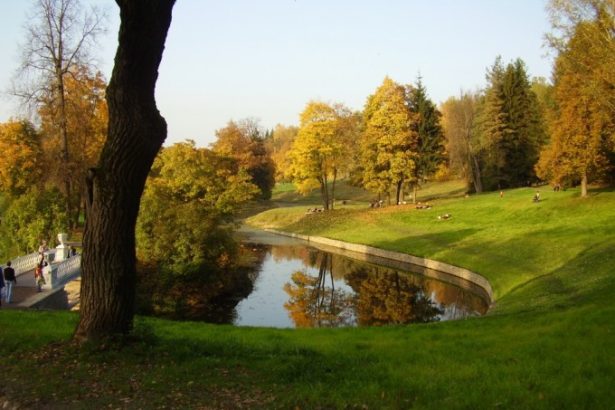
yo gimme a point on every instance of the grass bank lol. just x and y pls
(549, 342)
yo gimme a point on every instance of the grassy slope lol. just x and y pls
(550, 342)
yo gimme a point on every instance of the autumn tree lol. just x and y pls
(389, 143)
(322, 147)
(245, 141)
(582, 144)
(596, 60)
(196, 192)
(86, 123)
(135, 134)
(430, 137)
(279, 146)
(22, 157)
(36, 214)
(459, 124)
(59, 38)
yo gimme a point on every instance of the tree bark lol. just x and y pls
(324, 191)
(584, 185)
(136, 133)
(476, 176)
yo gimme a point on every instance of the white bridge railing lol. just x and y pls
(28, 262)
(24, 263)
(57, 275)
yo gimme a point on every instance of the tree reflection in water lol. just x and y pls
(314, 304)
(386, 297)
(382, 296)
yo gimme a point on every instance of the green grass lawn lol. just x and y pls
(285, 194)
(549, 341)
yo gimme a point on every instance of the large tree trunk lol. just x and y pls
(136, 133)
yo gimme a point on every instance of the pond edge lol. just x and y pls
(453, 270)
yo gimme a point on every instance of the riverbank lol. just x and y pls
(549, 342)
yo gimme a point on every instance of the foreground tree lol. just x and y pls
(59, 39)
(136, 133)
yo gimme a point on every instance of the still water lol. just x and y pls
(296, 285)
(291, 284)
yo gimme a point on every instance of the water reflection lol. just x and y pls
(323, 289)
(314, 301)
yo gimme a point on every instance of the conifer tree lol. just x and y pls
(510, 127)
(430, 137)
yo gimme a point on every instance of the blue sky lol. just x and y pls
(266, 59)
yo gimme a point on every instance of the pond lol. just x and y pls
(297, 285)
(289, 283)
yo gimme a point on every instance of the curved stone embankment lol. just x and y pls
(430, 264)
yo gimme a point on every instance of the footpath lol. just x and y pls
(27, 296)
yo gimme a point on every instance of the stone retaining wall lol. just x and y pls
(456, 271)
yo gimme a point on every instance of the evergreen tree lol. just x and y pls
(510, 127)
(430, 137)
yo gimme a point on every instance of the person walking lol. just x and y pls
(10, 281)
(2, 290)
(41, 251)
(38, 277)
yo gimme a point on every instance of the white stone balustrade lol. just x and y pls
(58, 274)
(24, 263)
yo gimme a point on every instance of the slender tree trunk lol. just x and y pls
(584, 185)
(136, 133)
(414, 189)
(333, 188)
(65, 175)
(398, 191)
(324, 193)
(476, 176)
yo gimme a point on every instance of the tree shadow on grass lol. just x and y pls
(514, 263)
(587, 279)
